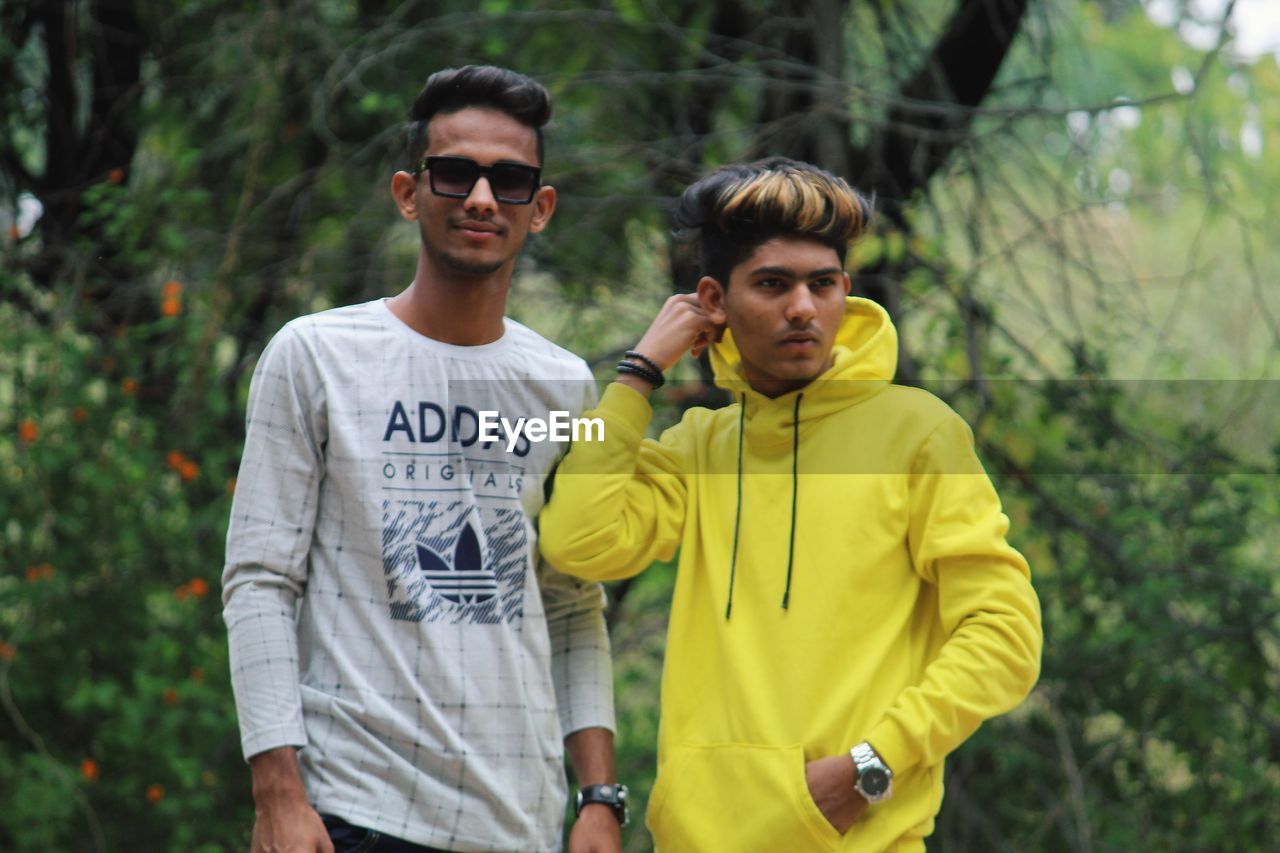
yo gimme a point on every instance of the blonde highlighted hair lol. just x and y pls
(733, 209)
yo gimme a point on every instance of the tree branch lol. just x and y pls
(958, 72)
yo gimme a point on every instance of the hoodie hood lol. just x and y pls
(865, 360)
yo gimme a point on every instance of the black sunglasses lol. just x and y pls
(454, 177)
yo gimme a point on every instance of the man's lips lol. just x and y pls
(800, 340)
(478, 230)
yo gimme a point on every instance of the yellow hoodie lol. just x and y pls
(843, 576)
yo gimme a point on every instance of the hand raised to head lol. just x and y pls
(681, 326)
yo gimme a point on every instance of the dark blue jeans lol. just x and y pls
(356, 839)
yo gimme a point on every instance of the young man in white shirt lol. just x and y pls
(405, 668)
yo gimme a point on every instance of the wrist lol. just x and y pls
(276, 777)
(654, 353)
(635, 365)
(595, 810)
(635, 383)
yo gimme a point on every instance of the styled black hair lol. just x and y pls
(452, 89)
(728, 213)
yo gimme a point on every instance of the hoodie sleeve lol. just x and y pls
(617, 504)
(988, 610)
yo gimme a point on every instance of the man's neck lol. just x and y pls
(452, 308)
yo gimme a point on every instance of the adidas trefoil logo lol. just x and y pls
(467, 581)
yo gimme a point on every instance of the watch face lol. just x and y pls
(873, 781)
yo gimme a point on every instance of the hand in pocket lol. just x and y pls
(830, 782)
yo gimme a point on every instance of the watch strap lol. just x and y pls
(612, 795)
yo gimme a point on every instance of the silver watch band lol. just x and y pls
(875, 779)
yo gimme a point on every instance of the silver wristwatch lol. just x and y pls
(875, 779)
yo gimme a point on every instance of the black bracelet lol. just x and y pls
(652, 377)
(645, 361)
(644, 358)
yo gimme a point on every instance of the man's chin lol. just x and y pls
(473, 267)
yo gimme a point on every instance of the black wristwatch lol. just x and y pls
(613, 796)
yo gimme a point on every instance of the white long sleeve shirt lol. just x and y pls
(386, 608)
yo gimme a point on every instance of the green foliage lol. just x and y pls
(113, 660)
(1156, 717)
(1073, 238)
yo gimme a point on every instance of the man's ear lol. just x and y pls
(711, 296)
(404, 190)
(848, 285)
(544, 204)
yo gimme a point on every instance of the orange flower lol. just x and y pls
(89, 769)
(174, 459)
(129, 386)
(199, 588)
(14, 233)
(171, 307)
(115, 176)
(231, 485)
(188, 470)
(172, 289)
(155, 793)
(170, 696)
(197, 674)
(8, 652)
(42, 572)
(80, 414)
(28, 431)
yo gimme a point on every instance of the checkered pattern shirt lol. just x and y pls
(386, 607)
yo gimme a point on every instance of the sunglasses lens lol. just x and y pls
(453, 177)
(513, 183)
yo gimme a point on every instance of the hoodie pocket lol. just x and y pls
(736, 797)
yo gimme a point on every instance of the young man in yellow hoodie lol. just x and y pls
(847, 610)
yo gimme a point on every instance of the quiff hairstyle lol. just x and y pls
(727, 214)
(486, 86)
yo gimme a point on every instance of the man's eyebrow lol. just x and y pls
(788, 272)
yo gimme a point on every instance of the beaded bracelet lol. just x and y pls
(639, 356)
(649, 375)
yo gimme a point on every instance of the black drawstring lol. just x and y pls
(795, 490)
(737, 516)
(795, 487)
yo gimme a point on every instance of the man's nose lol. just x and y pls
(800, 305)
(481, 200)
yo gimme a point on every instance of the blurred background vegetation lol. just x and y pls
(1077, 204)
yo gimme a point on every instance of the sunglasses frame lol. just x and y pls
(481, 172)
